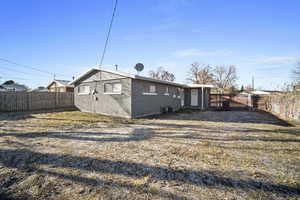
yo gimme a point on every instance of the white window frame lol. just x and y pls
(151, 91)
(114, 83)
(85, 92)
(167, 91)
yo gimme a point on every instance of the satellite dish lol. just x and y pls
(139, 67)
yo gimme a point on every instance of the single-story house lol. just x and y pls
(2, 89)
(15, 87)
(60, 86)
(40, 89)
(125, 95)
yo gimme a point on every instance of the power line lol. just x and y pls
(13, 70)
(25, 66)
(28, 67)
(109, 30)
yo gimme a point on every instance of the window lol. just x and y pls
(180, 93)
(112, 88)
(167, 91)
(152, 89)
(84, 89)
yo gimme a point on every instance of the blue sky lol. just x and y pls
(260, 37)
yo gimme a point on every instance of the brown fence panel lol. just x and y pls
(30, 101)
(231, 101)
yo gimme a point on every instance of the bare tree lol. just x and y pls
(200, 74)
(286, 86)
(224, 77)
(296, 72)
(162, 74)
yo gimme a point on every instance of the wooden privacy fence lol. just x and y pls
(232, 101)
(30, 101)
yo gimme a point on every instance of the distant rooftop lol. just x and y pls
(63, 82)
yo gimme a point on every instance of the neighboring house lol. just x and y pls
(14, 87)
(60, 86)
(260, 92)
(2, 89)
(40, 89)
(120, 94)
(297, 87)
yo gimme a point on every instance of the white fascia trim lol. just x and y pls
(199, 86)
(150, 93)
(115, 72)
(101, 69)
(112, 93)
(157, 81)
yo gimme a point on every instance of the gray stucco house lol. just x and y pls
(121, 94)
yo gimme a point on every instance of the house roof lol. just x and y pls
(40, 89)
(15, 87)
(134, 77)
(261, 92)
(61, 83)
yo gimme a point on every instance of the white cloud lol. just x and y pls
(276, 60)
(198, 52)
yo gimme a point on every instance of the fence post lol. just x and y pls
(56, 101)
(250, 102)
(28, 101)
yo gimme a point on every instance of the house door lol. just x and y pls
(194, 97)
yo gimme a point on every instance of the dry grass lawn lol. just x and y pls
(187, 155)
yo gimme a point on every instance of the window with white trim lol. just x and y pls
(167, 91)
(112, 88)
(152, 89)
(84, 89)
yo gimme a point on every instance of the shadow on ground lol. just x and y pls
(28, 160)
(258, 117)
(135, 135)
(14, 116)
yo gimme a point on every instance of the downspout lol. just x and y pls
(202, 98)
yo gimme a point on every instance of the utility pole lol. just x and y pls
(252, 82)
(116, 67)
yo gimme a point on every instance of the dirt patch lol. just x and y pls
(193, 155)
